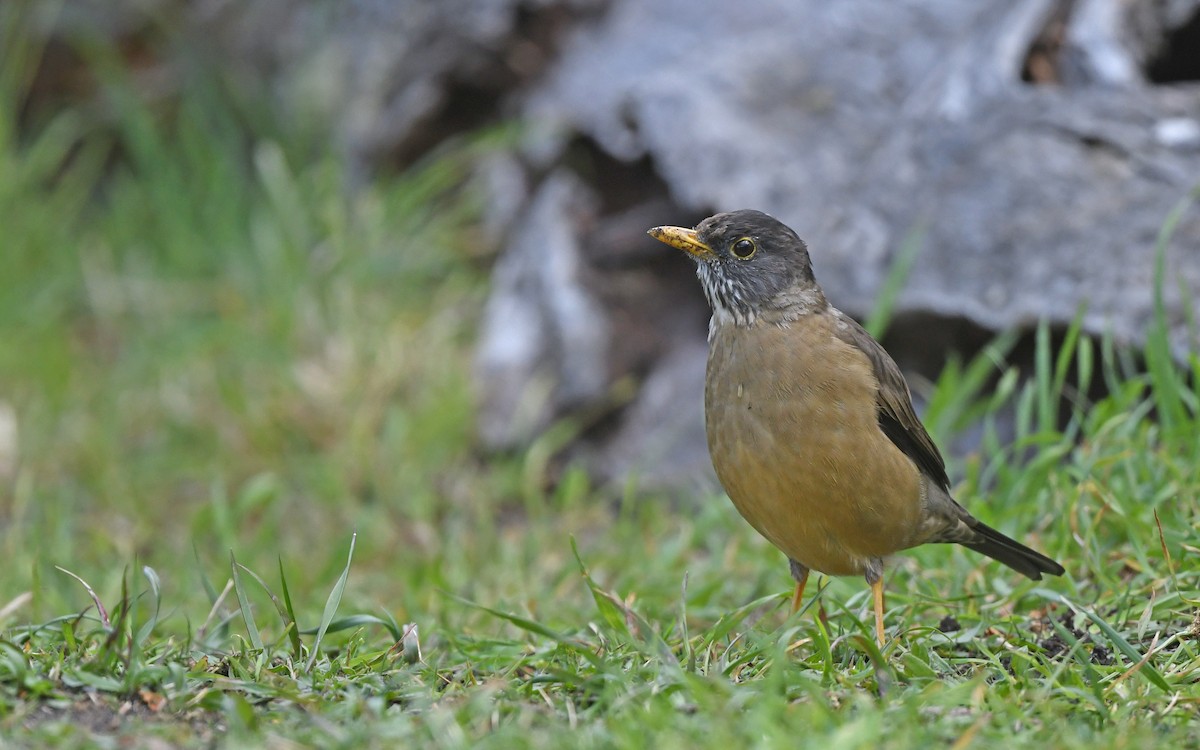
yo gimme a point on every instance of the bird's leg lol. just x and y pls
(877, 589)
(875, 579)
(800, 573)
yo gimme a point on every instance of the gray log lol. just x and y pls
(860, 121)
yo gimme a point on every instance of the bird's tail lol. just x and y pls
(1012, 553)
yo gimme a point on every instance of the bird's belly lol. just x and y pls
(804, 461)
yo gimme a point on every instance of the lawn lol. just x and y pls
(240, 503)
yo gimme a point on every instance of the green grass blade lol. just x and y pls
(731, 620)
(1067, 350)
(897, 276)
(293, 628)
(610, 611)
(395, 629)
(156, 594)
(1083, 659)
(121, 618)
(279, 606)
(209, 590)
(244, 605)
(1168, 385)
(535, 627)
(1084, 367)
(357, 621)
(956, 401)
(1147, 670)
(331, 606)
(1043, 380)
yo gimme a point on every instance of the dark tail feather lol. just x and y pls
(1012, 553)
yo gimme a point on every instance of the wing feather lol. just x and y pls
(897, 418)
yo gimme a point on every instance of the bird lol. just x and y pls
(810, 423)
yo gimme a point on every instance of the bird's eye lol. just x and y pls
(743, 249)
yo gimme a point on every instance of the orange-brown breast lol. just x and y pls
(793, 430)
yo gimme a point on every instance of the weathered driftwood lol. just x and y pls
(858, 123)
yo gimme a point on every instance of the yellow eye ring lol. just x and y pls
(743, 249)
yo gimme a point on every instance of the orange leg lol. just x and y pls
(877, 589)
(798, 597)
(800, 574)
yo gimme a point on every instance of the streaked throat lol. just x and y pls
(726, 298)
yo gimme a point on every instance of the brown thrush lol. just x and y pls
(810, 424)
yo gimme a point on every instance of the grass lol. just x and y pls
(240, 505)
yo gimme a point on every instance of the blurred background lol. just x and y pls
(273, 272)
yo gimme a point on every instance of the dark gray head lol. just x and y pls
(749, 263)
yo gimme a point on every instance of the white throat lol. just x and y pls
(730, 307)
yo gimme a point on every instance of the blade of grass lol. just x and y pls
(1127, 649)
(1066, 354)
(610, 612)
(331, 605)
(730, 620)
(885, 301)
(1076, 652)
(156, 592)
(244, 605)
(209, 590)
(689, 653)
(1151, 674)
(397, 631)
(1043, 378)
(955, 399)
(279, 606)
(290, 621)
(100, 610)
(121, 616)
(1168, 387)
(212, 612)
(355, 621)
(535, 627)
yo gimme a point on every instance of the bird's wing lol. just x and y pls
(897, 418)
(948, 521)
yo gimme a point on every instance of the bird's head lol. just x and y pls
(750, 264)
